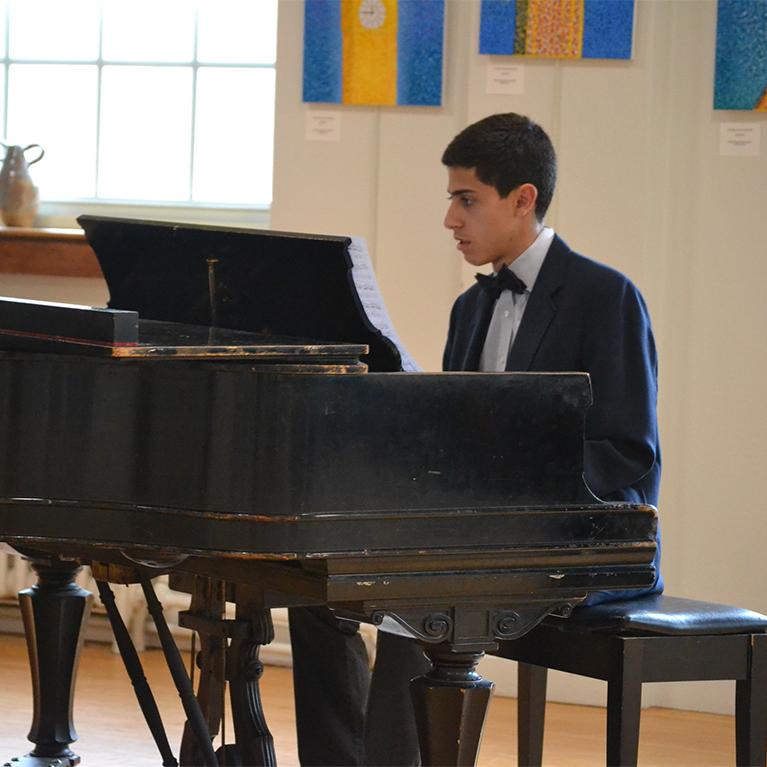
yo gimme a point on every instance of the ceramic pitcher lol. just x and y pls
(18, 195)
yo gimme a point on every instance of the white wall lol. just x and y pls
(643, 188)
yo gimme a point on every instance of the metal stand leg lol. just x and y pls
(135, 671)
(178, 672)
(450, 704)
(54, 611)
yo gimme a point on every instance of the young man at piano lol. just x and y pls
(542, 307)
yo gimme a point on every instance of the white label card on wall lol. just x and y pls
(740, 139)
(323, 126)
(506, 79)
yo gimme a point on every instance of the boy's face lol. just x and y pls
(490, 229)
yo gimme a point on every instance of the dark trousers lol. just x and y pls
(331, 682)
(391, 738)
(345, 717)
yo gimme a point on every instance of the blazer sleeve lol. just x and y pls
(622, 456)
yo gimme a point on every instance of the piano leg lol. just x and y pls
(450, 704)
(236, 662)
(54, 611)
(254, 741)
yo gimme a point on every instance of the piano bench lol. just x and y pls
(655, 638)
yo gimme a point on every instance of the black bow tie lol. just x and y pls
(505, 279)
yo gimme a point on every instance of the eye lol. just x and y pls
(464, 201)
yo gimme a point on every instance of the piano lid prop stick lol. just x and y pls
(181, 680)
(135, 671)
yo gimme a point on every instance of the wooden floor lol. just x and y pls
(111, 730)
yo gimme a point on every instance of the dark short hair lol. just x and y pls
(506, 151)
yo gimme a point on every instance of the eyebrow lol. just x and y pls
(461, 191)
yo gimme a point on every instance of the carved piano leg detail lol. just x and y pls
(206, 601)
(251, 628)
(254, 741)
(450, 704)
(54, 611)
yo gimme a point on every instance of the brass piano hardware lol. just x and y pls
(154, 560)
(112, 573)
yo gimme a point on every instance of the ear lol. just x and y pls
(526, 196)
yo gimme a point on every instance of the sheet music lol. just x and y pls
(372, 300)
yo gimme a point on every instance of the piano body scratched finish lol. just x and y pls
(445, 507)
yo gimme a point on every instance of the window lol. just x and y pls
(166, 102)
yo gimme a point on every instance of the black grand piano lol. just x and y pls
(238, 417)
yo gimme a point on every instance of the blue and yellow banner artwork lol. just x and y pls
(375, 52)
(740, 79)
(561, 29)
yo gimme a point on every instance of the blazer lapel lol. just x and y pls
(540, 309)
(482, 316)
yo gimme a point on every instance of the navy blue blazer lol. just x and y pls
(584, 316)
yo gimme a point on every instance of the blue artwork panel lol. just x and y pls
(740, 80)
(497, 26)
(373, 52)
(607, 29)
(419, 52)
(323, 51)
(564, 29)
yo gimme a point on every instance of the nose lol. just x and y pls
(451, 220)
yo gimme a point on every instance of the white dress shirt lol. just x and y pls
(509, 308)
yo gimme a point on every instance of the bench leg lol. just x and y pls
(751, 708)
(531, 712)
(624, 702)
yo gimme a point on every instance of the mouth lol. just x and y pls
(462, 244)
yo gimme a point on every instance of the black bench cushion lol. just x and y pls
(661, 614)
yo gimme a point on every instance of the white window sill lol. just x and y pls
(64, 214)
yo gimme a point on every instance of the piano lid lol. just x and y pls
(269, 282)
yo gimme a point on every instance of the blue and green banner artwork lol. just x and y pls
(740, 77)
(560, 29)
(376, 52)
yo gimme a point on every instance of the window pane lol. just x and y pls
(61, 117)
(36, 29)
(3, 6)
(234, 136)
(146, 115)
(169, 35)
(237, 31)
(2, 101)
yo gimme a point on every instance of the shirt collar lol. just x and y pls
(527, 265)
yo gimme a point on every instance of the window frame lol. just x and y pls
(63, 212)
